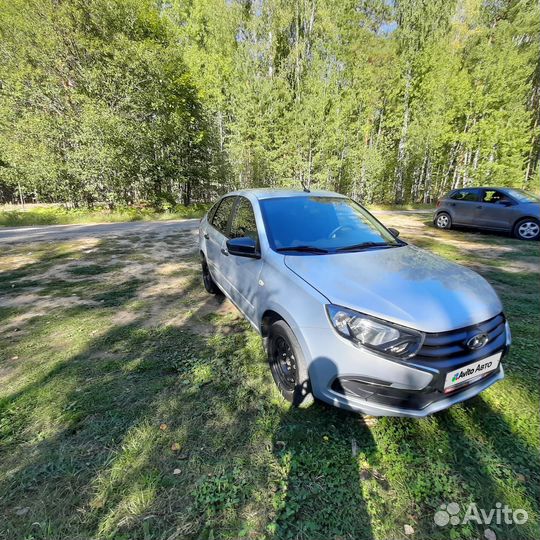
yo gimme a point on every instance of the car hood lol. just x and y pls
(406, 285)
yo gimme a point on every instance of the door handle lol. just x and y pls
(225, 252)
(453, 204)
(479, 207)
(206, 235)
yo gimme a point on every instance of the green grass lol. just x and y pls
(135, 406)
(56, 215)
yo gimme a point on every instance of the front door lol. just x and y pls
(244, 272)
(495, 210)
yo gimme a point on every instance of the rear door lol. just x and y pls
(218, 231)
(495, 210)
(462, 205)
(244, 272)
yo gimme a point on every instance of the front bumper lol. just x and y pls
(356, 379)
(408, 405)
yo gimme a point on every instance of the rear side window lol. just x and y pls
(243, 223)
(221, 216)
(212, 211)
(464, 195)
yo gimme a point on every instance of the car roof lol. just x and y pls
(482, 187)
(272, 193)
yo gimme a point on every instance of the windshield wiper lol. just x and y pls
(366, 245)
(305, 249)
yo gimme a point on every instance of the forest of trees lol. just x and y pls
(166, 101)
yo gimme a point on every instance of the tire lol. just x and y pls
(443, 221)
(208, 280)
(288, 366)
(527, 229)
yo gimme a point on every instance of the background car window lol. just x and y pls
(464, 195)
(523, 196)
(243, 223)
(222, 214)
(494, 196)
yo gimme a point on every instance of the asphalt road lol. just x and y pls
(9, 235)
(51, 233)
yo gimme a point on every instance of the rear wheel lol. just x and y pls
(208, 280)
(527, 229)
(287, 365)
(443, 221)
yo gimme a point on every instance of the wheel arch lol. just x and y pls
(268, 318)
(533, 218)
(275, 313)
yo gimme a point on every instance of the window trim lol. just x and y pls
(227, 231)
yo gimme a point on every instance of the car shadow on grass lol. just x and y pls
(163, 433)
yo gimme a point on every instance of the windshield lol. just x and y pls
(522, 196)
(322, 224)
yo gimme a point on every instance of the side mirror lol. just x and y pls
(393, 232)
(243, 247)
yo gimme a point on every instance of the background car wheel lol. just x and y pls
(443, 221)
(288, 366)
(208, 280)
(527, 229)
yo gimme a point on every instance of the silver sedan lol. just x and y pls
(349, 313)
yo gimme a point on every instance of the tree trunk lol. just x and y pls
(402, 146)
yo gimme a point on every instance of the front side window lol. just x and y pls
(221, 216)
(522, 196)
(493, 196)
(328, 224)
(465, 195)
(243, 223)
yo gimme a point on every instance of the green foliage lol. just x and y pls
(129, 100)
(43, 215)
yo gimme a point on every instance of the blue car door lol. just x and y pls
(496, 210)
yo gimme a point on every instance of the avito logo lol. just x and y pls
(462, 374)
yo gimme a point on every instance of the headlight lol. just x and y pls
(381, 336)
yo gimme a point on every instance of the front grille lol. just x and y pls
(441, 352)
(449, 349)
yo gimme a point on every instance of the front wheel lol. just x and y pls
(287, 365)
(443, 221)
(527, 229)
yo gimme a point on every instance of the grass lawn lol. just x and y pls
(56, 215)
(135, 406)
